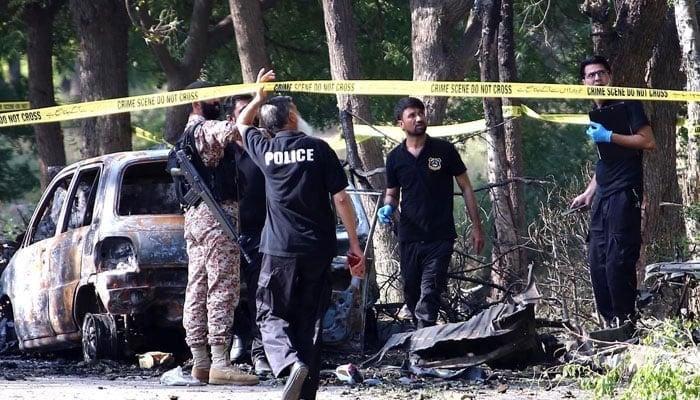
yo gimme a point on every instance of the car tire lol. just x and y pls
(100, 338)
(8, 337)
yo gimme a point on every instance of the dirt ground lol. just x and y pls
(59, 377)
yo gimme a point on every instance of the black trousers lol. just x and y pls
(244, 324)
(292, 298)
(424, 271)
(614, 243)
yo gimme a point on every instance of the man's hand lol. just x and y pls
(247, 117)
(583, 201)
(264, 76)
(356, 265)
(599, 133)
(384, 214)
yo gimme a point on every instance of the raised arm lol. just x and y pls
(247, 116)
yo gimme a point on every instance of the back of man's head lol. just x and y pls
(407, 102)
(274, 114)
(231, 101)
(196, 85)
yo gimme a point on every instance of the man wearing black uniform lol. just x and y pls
(615, 228)
(302, 174)
(251, 221)
(420, 176)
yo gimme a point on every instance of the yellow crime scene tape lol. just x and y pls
(27, 116)
(14, 105)
(398, 88)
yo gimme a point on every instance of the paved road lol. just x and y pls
(72, 388)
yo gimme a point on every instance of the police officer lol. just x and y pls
(615, 228)
(252, 219)
(302, 174)
(420, 177)
(213, 270)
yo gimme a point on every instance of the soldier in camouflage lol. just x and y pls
(214, 258)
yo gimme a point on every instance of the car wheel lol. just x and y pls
(8, 336)
(100, 339)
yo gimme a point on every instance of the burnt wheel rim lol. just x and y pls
(99, 337)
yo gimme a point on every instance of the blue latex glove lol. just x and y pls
(384, 214)
(599, 133)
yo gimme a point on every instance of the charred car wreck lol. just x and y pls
(103, 260)
(103, 265)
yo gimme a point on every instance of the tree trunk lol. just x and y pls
(345, 65)
(689, 38)
(505, 244)
(439, 53)
(250, 37)
(49, 138)
(102, 27)
(201, 39)
(513, 141)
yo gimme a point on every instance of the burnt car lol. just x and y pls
(102, 264)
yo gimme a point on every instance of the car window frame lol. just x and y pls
(46, 202)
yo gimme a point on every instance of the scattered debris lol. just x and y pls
(349, 373)
(153, 358)
(503, 335)
(175, 377)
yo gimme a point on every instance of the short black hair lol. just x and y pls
(230, 102)
(593, 60)
(196, 85)
(405, 103)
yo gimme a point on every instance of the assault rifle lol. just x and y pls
(199, 190)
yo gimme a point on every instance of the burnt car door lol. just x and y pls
(72, 243)
(30, 267)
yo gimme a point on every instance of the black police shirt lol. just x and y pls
(427, 189)
(252, 204)
(625, 172)
(301, 173)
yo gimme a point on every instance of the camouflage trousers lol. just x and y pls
(213, 279)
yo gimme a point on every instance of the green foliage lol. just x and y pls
(691, 211)
(19, 173)
(664, 380)
(556, 150)
(664, 367)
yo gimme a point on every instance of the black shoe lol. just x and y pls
(261, 367)
(295, 381)
(237, 349)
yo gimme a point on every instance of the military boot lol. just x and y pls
(223, 373)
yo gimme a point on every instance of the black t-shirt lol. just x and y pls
(427, 189)
(301, 173)
(252, 205)
(614, 175)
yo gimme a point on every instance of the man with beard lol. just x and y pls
(420, 178)
(214, 258)
(614, 236)
(302, 175)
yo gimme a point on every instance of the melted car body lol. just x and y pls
(104, 253)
